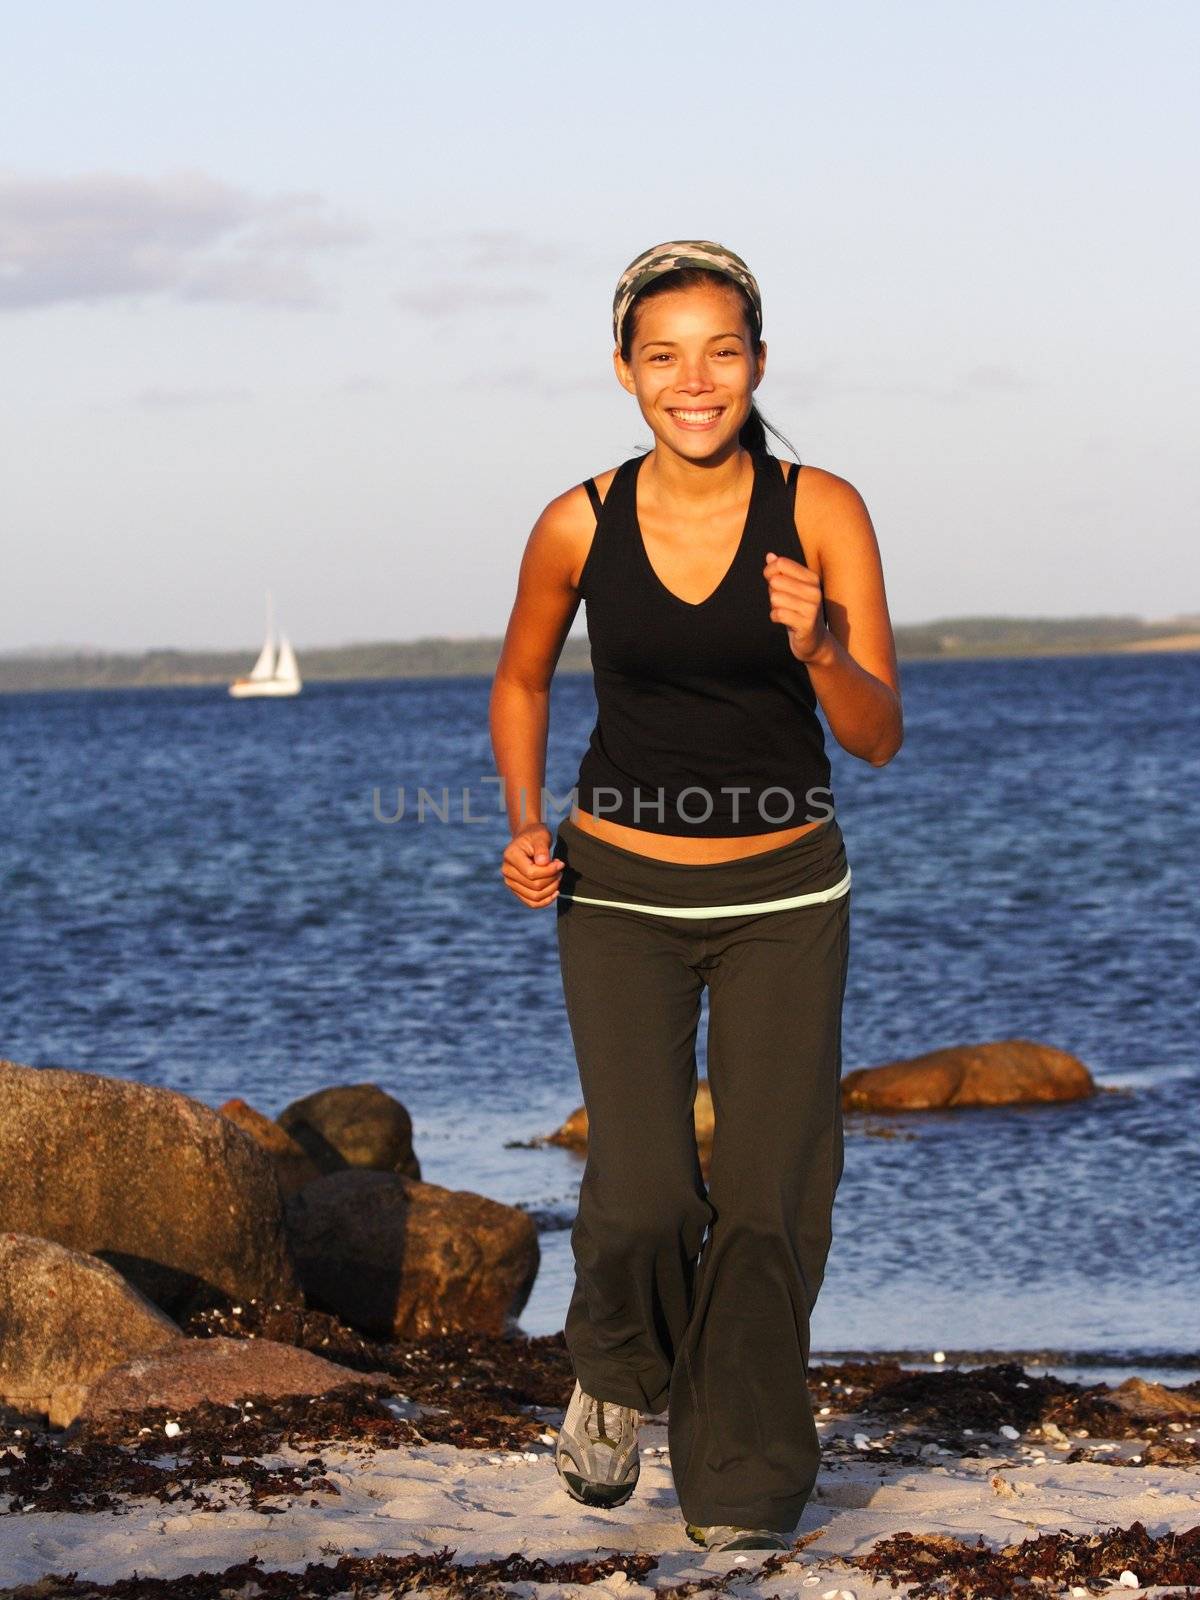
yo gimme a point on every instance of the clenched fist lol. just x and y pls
(794, 593)
(528, 869)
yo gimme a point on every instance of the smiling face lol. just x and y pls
(693, 368)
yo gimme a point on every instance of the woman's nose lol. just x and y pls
(693, 379)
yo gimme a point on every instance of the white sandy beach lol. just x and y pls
(486, 1504)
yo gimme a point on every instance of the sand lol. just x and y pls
(487, 1504)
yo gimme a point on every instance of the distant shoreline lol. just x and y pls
(953, 639)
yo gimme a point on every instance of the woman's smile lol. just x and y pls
(695, 420)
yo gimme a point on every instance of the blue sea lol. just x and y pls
(220, 897)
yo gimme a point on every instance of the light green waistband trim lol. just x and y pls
(813, 898)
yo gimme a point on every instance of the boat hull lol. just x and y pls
(263, 688)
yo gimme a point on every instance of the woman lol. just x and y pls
(727, 592)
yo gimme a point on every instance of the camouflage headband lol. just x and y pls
(677, 253)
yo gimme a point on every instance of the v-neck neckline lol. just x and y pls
(696, 605)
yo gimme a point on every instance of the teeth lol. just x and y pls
(696, 416)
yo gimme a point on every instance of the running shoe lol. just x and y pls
(728, 1538)
(597, 1450)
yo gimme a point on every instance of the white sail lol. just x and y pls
(287, 668)
(271, 675)
(264, 667)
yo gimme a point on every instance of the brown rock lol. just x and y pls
(574, 1131)
(1003, 1073)
(65, 1319)
(224, 1372)
(162, 1188)
(357, 1125)
(400, 1259)
(1144, 1399)
(294, 1167)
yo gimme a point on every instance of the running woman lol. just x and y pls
(727, 592)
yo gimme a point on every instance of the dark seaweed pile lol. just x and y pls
(942, 1568)
(360, 1576)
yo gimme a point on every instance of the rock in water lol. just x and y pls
(1005, 1072)
(574, 1131)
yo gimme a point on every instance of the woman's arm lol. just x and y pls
(519, 708)
(850, 652)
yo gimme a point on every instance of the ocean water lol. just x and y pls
(207, 894)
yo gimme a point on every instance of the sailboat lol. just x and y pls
(275, 673)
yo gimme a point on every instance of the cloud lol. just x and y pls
(486, 249)
(362, 385)
(188, 399)
(104, 236)
(453, 299)
(477, 269)
(528, 380)
(825, 382)
(994, 379)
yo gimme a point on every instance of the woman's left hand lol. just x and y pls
(795, 599)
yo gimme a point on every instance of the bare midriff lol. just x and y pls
(690, 850)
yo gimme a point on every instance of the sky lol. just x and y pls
(315, 298)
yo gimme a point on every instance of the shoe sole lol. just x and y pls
(596, 1494)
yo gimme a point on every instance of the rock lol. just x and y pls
(400, 1259)
(1003, 1073)
(222, 1371)
(294, 1167)
(1155, 1400)
(1008, 1072)
(65, 1319)
(160, 1187)
(574, 1131)
(356, 1125)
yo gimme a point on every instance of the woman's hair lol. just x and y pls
(753, 434)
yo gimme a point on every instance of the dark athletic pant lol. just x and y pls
(712, 1325)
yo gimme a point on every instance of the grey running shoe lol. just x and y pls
(597, 1450)
(728, 1538)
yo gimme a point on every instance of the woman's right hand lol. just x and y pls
(528, 869)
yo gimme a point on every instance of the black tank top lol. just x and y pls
(707, 723)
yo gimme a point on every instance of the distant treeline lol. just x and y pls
(954, 638)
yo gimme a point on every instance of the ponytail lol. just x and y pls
(753, 435)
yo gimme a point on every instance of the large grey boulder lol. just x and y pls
(404, 1260)
(356, 1125)
(166, 1190)
(65, 1319)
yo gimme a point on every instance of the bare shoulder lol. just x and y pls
(562, 535)
(831, 515)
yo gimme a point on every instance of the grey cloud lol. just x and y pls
(527, 380)
(826, 383)
(188, 399)
(477, 269)
(995, 379)
(452, 299)
(363, 384)
(102, 236)
(485, 249)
